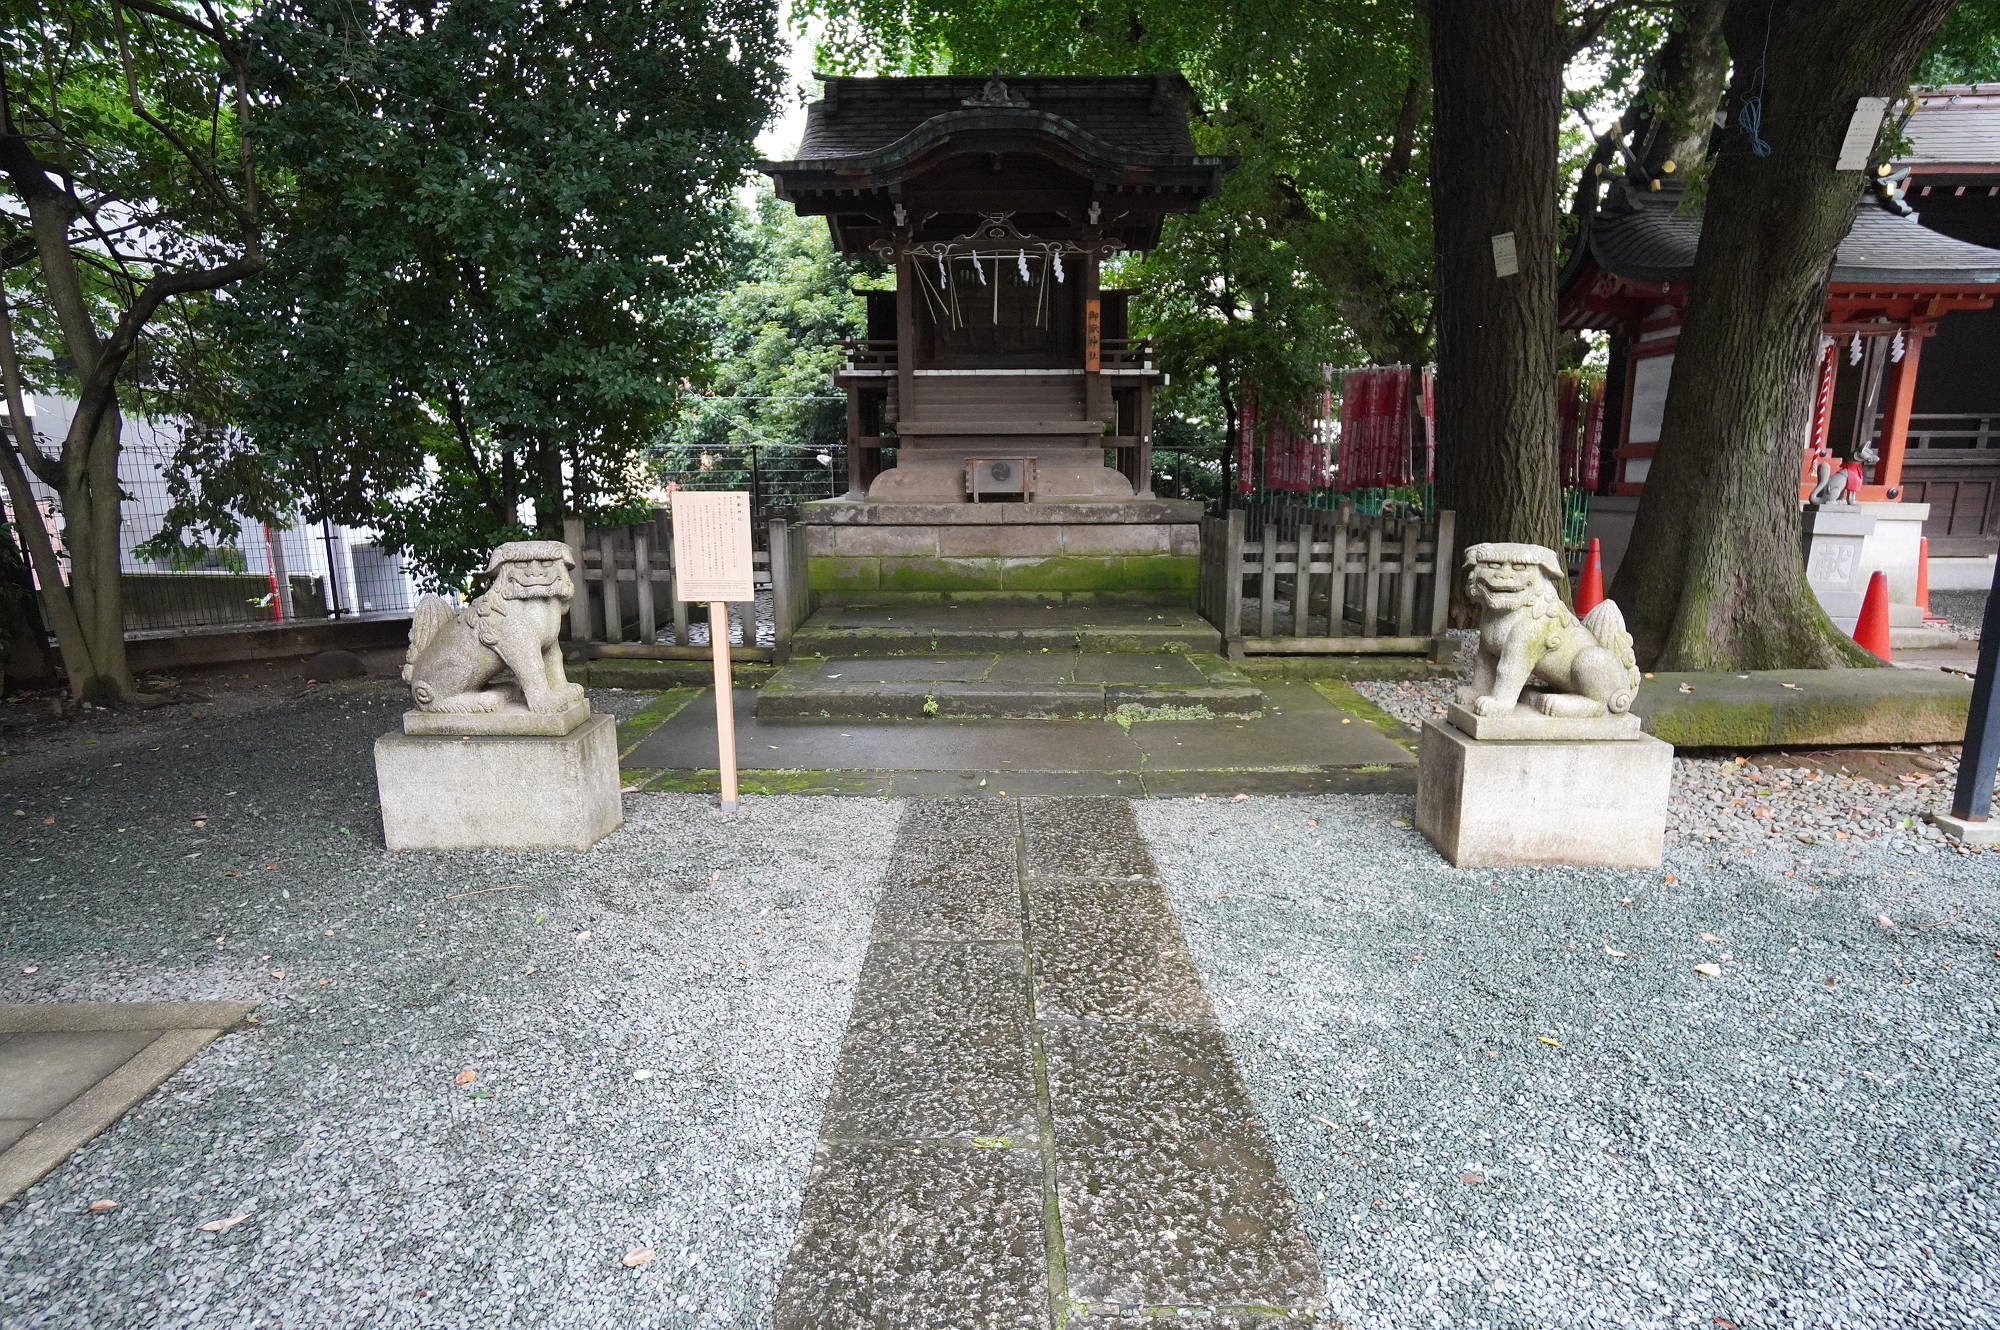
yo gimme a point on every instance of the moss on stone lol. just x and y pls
(1160, 572)
(651, 716)
(841, 575)
(929, 574)
(1343, 695)
(1064, 572)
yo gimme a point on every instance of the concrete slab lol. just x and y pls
(1805, 708)
(69, 1070)
(896, 1235)
(851, 670)
(937, 1046)
(39, 1073)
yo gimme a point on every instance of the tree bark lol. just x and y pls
(1496, 69)
(1715, 574)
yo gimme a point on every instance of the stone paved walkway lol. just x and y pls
(1035, 1119)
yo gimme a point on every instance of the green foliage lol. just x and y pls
(501, 217)
(773, 341)
(1967, 48)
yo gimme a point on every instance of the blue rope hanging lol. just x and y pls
(1750, 117)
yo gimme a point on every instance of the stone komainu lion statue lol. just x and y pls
(456, 652)
(1528, 636)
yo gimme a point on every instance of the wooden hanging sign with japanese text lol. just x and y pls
(712, 545)
(1093, 328)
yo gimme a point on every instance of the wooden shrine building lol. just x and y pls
(999, 413)
(998, 367)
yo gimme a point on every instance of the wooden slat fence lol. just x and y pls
(1364, 584)
(625, 603)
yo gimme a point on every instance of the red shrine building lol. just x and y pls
(1913, 336)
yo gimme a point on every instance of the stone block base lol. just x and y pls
(1986, 832)
(1592, 803)
(545, 792)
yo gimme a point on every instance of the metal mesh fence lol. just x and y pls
(255, 576)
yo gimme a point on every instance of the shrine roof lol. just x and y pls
(1957, 125)
(1644, 234)
(1142, 116)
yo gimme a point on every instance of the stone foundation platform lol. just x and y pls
(1133, 549)
(1488, 804)
(500, 792)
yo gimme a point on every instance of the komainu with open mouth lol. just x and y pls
(1529, 641)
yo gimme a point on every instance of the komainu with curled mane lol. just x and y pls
(1529, 641)
(457, 654)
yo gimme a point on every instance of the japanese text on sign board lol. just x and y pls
(712, 545)
(1093, 324)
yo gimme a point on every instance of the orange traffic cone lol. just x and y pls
(1590, 587)
(1924, 581)
(1871, 630)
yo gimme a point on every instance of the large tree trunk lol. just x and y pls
(1715, 575)
(1497, 74)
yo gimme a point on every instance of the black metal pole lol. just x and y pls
(1973, 797)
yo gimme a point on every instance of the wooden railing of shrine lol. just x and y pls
(865, 354)
(625, 603)
(1283, 579)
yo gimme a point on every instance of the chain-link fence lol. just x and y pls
(257, 575)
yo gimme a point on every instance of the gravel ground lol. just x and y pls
(1506, 1100)
(1963, 610)
(1741, 803)
(189, 855)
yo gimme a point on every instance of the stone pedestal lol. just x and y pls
(1492, 804)
(1835, 536)
(500, 792)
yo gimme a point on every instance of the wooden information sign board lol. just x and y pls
(1093, 328)
(712, 563)
(712, 545)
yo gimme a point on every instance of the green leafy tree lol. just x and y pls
(501, 216)
(125, 145)
(774, 347)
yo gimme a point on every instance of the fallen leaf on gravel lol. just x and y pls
(637, 1257)
(217, 1225)
(48, 821)
(1686, 687)
(1710, 937)
(1711, 969)
(1552, 1043)
(99, 1207)
(1237, 797)
(277, 974)
(1724, 1322)
(29, 969)
(1471, 1178)
(1885, 921)
(1621, 955)
(1788, 685)
(1670, 879)
(466, 1077)
(1327, 1122)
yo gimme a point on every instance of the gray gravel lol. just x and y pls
(1963, 611)
(1764, 1149)
(714, 955)
(1744, 804)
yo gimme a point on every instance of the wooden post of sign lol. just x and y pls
(725, 702)
(712, 562)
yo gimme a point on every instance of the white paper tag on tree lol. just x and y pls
(1506, 257)
(1861, 132)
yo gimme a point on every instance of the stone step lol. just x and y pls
(1037, 685)
(919, 627)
